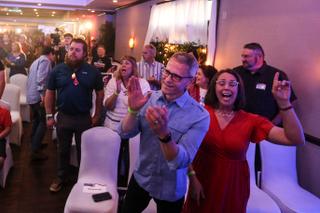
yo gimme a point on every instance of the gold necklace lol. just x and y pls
(224, 114)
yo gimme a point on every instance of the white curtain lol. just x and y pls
(180, 21)
(212, 34)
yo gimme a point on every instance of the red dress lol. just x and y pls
(221, 165)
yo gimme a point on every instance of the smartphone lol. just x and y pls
(101, 196)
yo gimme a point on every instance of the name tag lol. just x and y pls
(261, 86)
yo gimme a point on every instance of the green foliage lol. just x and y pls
(165, 50)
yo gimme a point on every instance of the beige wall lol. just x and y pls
(132, 21)
(289, 32)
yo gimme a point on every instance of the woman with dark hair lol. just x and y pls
(219, 175)
(198, 89)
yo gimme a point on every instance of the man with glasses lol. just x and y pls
(257, 77)
(172, 125)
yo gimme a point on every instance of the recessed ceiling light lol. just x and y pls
(39, 4)
(115, 1)
(7, 14)
(53, 12)
(92, 11)
(34, 9)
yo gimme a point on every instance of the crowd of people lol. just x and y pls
(194, 122)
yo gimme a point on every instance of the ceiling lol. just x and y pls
(17, 10)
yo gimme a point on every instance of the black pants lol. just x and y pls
(3, 148)
(39, 126)
(137, 199)
(67, 125)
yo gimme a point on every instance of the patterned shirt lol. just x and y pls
(154, 70)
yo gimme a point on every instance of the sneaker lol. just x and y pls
(38, 155)
(56, 185)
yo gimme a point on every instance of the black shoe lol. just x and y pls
(56, 185)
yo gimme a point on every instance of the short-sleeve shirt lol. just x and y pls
(258, 90)
(74, 92)
(5, 119)
(113, 117)
(154, 70)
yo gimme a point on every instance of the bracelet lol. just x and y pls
(191, 173)
(286, 108)
(116, 93)
(131, 111)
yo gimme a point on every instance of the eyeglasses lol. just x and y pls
(174, 77)
(231, 83)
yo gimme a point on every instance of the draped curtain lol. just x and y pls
(180, 21)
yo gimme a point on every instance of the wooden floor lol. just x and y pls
(27, 187)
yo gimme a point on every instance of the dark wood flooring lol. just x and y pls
(27, 187)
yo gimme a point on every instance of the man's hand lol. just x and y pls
(95, 120)
(136, 100)
(196, 190)
(157, 118)
(50, 123)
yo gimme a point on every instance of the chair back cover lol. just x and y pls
(99, 155)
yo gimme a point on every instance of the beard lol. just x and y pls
(73, 63)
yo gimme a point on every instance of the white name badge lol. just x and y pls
(261, 86)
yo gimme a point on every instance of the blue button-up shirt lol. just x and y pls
(188, 123)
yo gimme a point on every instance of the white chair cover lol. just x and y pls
(11, 95)
(259, 201)
(100, 148)
(279, 180)
(20, 80)
(8, 163)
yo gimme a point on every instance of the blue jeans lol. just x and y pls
(39, 126)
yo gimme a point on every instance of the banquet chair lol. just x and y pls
(20, 80)
(8, 163)
(259, 201)
(11, 94)
(279, 179)
(99, 155)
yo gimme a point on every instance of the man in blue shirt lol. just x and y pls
(172, 125)
(74, 82)
(36, 87)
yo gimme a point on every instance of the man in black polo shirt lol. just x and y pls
(74, 82)
(2, 78)
(257, 78)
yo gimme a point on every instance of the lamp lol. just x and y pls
(131, 43)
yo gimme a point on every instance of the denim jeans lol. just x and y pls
(38, 126)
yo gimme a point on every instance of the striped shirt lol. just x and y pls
(154, 70)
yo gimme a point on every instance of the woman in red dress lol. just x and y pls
(219, 175)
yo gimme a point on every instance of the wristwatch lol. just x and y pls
(49, 116)
(166, 138)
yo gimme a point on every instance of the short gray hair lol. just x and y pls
(187, 59)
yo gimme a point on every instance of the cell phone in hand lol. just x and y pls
(101, 196)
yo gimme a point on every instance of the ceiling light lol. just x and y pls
(52, 15)
(21, 13)
(53, 12)
(39, 4)
(92, 11)
(7, 14)
(34, 9)
(115, 1)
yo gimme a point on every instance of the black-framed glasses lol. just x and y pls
(174, 77)
(231, 83)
